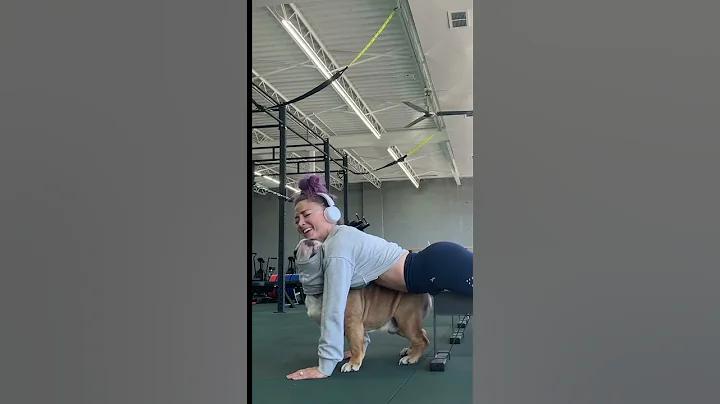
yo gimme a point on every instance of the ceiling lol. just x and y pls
(390, 72)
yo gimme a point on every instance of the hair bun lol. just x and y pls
(312, 185)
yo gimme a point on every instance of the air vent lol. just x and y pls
(458, 19)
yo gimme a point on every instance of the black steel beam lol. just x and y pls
(303, 124)
(346, 201)
(313, 172)
(298, 172)
(252, 184)
(306, 140)
(291, 160)
(289, 146)
(326, 144)
(326, 150)
(281, 213)
(269, 126)
(252, 173)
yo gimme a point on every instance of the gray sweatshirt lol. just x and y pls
(350, 258)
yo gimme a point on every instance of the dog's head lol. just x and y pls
(306, 249)
(308, 258)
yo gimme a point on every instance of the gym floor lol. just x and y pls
(284, 343)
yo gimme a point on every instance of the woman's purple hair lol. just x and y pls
(310, 186)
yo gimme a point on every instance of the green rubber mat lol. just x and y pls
(285, 342)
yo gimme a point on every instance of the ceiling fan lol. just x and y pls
(427, 114)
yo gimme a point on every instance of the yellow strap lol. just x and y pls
(377, 34)
(420, 145)
(372, 41)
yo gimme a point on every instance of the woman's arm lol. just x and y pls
(338, 275)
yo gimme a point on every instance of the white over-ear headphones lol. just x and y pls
(332, 213)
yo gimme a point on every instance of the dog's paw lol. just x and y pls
(407, 360)
(350, 367)
(406, 351)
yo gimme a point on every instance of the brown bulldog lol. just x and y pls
(374, 308)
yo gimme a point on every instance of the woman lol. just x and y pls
(352, 259)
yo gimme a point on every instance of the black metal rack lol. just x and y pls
(279, 157)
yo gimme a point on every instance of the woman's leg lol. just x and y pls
(441, 266)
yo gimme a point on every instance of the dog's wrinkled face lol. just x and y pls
(308, 257)
(306, 249)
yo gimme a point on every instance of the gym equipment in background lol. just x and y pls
(264, 288)
(263, 271)
(292, 269)
(260, 273)
(261, 290)
(270, 270)
(253, 266)
(360, 224)
(293, 293)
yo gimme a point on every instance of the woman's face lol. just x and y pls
(310, 220)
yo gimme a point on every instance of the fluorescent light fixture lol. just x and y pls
(402, 165)
(276, 181)
(327, 74)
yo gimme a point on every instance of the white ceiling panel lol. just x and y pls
(388, 74)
